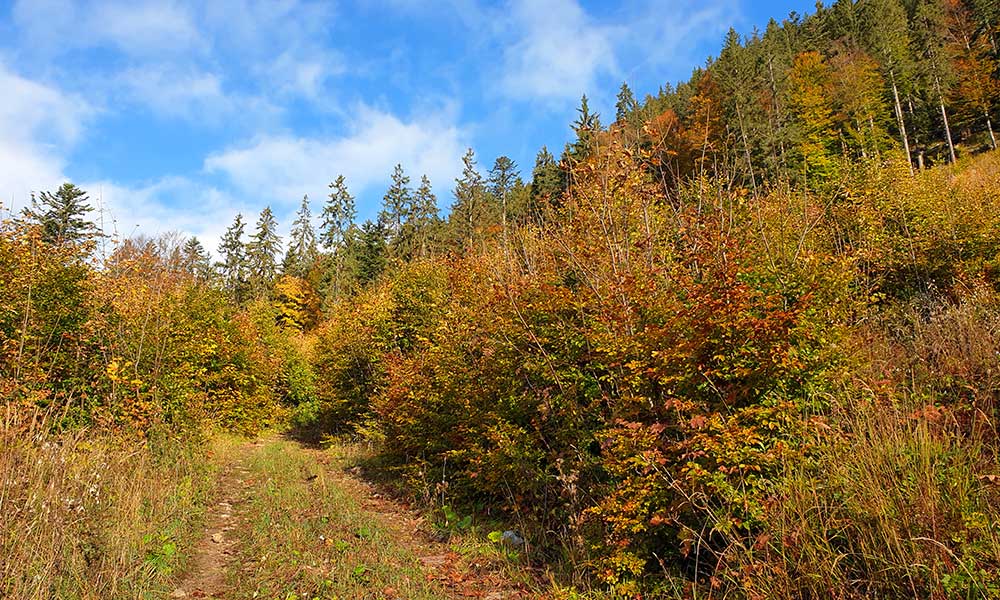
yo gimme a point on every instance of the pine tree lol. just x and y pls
(261, 250)
(371, 252)
(62, 215)
(234, 261)
(302, 251)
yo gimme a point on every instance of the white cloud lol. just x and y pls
(280, 169)
(191, 94)
(135, 27)
(559, 52)
(303, 74)
(38, 125)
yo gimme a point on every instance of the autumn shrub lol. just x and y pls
(129, 344)
(43, 315)
(697, 388)
(354, 344)
(917, 235)
(601, 381)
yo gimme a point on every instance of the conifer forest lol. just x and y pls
(739, 339)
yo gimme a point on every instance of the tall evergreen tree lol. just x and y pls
(233, 267)
(262, 249)
(397, 205)
(502, 178)
(62, 215)
(302, 251)
(586, 127)
(625, 104)
(470, 201)
(371, 252)
(338, 215)
(423, 218)
(337, 234)
(547, 181)
(197, 261)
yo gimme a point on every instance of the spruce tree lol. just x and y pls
(196, 260)
(302, 251)
(501, 180)
(547, 182)
(233, 267)
(262, 249)
(423, 218)
(62, 215)
(371, 252)
(338, 215)
(625, 104)
(470, 198)
(337, 234)
(586, 127)
(396, 209)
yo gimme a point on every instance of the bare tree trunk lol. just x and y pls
(944, 115)
(989, 125)
(746, 150)
(901, 121)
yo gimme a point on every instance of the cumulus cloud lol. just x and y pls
(38, 125)
(283, 168)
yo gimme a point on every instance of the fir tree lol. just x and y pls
(547, 181)
(371, 252)
(337, 234)
(396, 203)
(586, 127)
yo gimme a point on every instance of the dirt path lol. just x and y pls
(289, 521)
(206, 577)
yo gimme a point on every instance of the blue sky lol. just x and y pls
(177, 114)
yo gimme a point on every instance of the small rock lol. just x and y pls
(178, 593)
(513, 538)
(217, 538)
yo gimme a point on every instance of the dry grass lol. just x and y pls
(87, 515)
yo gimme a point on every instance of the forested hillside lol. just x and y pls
(738, 341)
